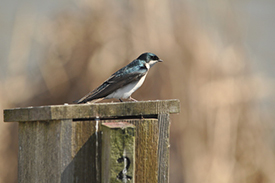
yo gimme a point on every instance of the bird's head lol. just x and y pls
(149, 58)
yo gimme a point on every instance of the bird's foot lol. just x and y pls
(130, 98)
(120, 100)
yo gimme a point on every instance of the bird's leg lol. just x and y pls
(130, 98)
(120, 100)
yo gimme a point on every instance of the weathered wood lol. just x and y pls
(86, 111)
(44, 151)
(58, 151)
(147, 144)
(147, 150)
(118, 152)
(86, 152)
(61, 143)
(163, 148)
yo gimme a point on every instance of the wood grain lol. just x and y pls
(88, 111)
(70, 150)
(118, 152)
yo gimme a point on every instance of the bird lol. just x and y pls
(124, 82)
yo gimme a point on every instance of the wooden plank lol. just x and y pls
(90, 111)
(86, 152)
(58, 151)
(146, 150)
(163, 148)
(44, 151)
(147, 144)
(118, 152)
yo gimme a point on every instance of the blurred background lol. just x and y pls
(218, 60)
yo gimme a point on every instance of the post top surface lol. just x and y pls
(88, 111)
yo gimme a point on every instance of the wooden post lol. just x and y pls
(62, 143)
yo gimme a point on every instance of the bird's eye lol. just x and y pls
(155, 58)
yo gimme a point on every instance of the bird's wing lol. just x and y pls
(119, 79)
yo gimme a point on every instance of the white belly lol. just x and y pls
(126, 91)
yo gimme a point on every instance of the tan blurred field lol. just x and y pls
(219, 137)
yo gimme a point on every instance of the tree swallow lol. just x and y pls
(123, 83)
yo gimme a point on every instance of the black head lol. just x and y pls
(147, 57)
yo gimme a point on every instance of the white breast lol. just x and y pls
(126, 91)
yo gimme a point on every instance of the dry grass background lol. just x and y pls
(219, 136)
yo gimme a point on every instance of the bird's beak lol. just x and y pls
(160, 60)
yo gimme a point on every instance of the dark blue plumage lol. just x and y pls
(125, 81)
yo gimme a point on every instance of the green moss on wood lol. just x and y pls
(117, 142)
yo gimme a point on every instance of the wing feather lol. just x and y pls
(130, 73)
